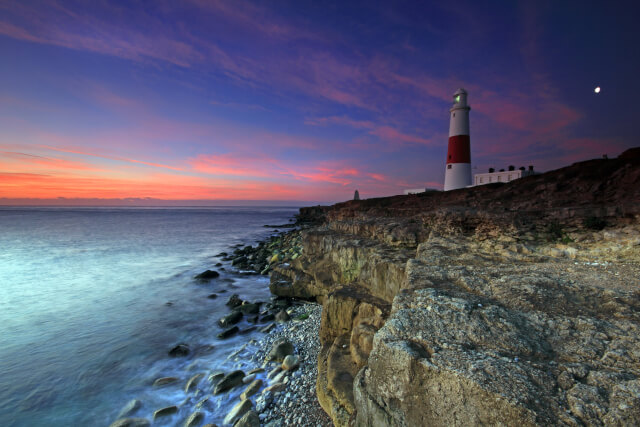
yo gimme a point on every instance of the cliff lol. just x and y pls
(507, 304)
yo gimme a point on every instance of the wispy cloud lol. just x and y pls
(384, 132)
(13, 158)
(64, 27)
(103, 156)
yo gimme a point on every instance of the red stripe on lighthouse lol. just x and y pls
(459, 151)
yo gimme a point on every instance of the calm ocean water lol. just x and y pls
(84, 324)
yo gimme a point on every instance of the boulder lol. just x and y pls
(276, 387)
(281, 377)
(290, 362)
(228, 332)
(249, 308)
(212, 296)
(239, 261)
(238, 411)
(275, 371)
(207, 275)
(193, 382)
(229, 381)
(249, 378)
(234, 301)
(180, 350)
(164, 381)
(280, 349)
(194, 420)
(131, 422)
(131, 407)
(249, 419)
(230, 319)
(165, 412)
(215, 377)
(207, 404)
(251, 389)
(282, 316)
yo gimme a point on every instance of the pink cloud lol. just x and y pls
(247, 166)
(391, 134)
(31, 160)
(342, 176)
(383, 132)
(103, 156)
(234, 164)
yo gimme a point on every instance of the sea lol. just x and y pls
(92, 299)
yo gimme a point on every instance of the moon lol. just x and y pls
(597, 89)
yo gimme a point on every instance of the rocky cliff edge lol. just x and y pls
(512, 304)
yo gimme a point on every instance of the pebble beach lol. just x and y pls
(269, 379)
(297, 403)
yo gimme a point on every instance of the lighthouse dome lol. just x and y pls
(460, 91)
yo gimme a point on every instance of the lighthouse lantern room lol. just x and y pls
(458, 171)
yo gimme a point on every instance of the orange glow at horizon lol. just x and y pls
(45, 176)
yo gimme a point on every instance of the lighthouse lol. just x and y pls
(458, 171)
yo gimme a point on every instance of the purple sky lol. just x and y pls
(306, 100)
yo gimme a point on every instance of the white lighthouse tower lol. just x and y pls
(458, 172)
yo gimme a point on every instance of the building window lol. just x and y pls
(448, 166)
(454, 114)
(480, 180)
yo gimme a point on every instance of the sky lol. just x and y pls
(198, 101)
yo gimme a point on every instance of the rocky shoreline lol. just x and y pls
(512, 304)
(270, 392)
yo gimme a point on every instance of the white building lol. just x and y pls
(502, 176)
(414, 191)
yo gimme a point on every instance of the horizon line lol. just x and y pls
(149, 202)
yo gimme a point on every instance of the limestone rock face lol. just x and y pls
(511, 344)
(493, 305)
